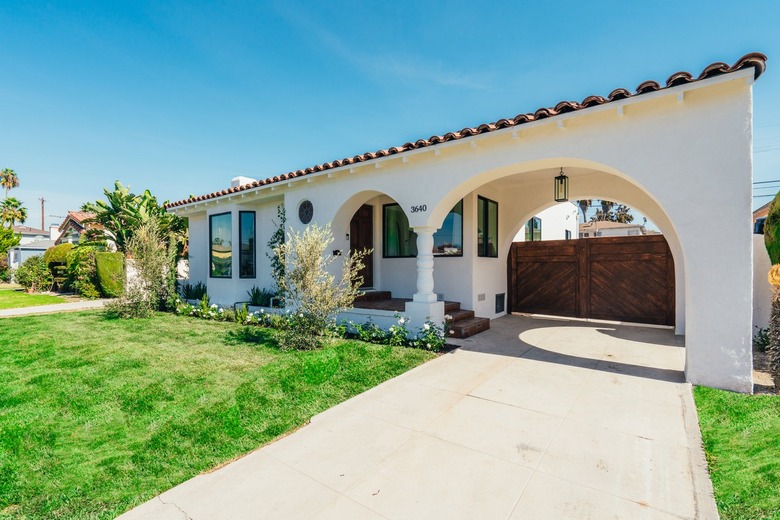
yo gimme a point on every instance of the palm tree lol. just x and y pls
(12, 211)
(584, 204)
(8, 180)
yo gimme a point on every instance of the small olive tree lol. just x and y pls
(151, 274)
(311, 292)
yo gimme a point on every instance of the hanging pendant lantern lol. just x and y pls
(561, 187)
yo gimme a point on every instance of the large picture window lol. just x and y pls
(221, 245)
(533, 230)
(487, 227)
(400, 241)
(246, 233)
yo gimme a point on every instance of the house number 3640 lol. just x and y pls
(421, 207)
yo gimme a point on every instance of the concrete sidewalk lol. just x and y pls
(54, 308)
(534, 419)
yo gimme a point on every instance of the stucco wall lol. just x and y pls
(556, 221)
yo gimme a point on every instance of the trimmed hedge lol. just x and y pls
(57, 254)
(111, 273)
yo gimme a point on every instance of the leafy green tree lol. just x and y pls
(613, 212)
(8, 180)
(12, 211)
(123, 213)
(8, 239)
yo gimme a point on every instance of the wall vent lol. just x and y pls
(481, 297)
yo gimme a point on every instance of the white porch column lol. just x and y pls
(424, 306)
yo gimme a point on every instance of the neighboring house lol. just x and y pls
(17, 255)
(759, 216)
(441, 213)
(611, 229)
(29, 234)
(558, 222)
(74, 226)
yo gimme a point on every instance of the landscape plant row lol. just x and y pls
(431, 336)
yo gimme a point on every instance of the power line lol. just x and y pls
(766, 182)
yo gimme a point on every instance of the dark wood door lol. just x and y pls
(610, 278)
(361, 236)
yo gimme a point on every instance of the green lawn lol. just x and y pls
(11, 298)
(98, 415)
(742, 440)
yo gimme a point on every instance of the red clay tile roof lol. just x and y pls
(754, 59)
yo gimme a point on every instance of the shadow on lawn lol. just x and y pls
(256, 335)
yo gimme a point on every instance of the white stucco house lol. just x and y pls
(441, 213)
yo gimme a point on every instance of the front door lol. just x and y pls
(361, 236)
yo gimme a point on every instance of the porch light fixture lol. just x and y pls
(561, 187)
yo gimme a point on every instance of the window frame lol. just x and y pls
(530, 227)
(444, 255)
(482, 251)
(211, 243)
(241, 242)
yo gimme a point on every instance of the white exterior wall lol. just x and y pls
(556, 221)
(762, 291)
(662, 153)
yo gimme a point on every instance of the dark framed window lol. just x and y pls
(246, 237)
(448, 240)
(400, 240)
(221, 245)
(568, 235)
(533, 230)
(487, 227)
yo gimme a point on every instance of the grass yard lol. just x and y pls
(741, 436)
(10, 298)
(98, 415)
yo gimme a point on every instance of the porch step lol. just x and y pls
(373, 296)
(469, 327)
(451, 307)
(461, 315)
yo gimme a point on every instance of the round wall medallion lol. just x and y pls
(306, 211)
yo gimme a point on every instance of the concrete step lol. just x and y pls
(469, 327)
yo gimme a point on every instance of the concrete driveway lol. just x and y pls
(534, 419)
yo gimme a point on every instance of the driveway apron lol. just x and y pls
(534, 419)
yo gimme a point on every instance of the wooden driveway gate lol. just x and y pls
(610, 278)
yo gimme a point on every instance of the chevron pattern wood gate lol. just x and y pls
(610, 278)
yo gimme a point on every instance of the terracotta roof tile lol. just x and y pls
(755, 60)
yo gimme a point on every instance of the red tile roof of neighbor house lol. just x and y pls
(754, 59)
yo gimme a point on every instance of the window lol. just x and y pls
(246, 236)
(487, 227)
(533, 230)
(400, 241)
(448, 240)
(568, 234)
(221, 240)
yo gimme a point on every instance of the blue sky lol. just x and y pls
(179, 97)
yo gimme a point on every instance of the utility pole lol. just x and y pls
(43, 223)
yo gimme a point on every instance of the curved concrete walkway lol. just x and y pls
(534, 419)
(53, 308)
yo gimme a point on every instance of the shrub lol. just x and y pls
(5, 271)
(192, 292)
(310, 290)
(260, 297)
(34, 275)
(110, 273)
(152, 287)
(57, 254)
(82, 272)
(761, 339)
